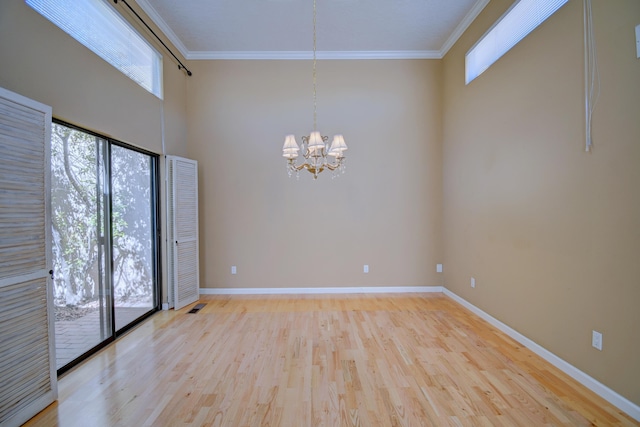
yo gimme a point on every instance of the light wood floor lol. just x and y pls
(366, 360)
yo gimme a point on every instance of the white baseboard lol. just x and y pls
(300, 291)
(592, 384)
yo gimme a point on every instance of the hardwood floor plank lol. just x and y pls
(327, 360)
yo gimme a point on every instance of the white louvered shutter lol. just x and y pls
(27, 351)
(184, 272)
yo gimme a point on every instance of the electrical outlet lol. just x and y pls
(596, 340)
(473, 282)
(637, 41)
(365, 269)
(438, 268)
(234, 270)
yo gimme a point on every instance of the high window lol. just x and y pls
(99, 27)
(521, 19)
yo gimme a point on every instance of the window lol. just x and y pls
(521, 19)
(100, 28)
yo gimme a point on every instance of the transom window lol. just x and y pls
(99, 27)
(520, 20)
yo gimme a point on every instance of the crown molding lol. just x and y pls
(463, 25)
(164, 27)
(305, 55)
(298, 55)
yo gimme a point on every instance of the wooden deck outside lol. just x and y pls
(75, 337)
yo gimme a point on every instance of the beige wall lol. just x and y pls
(551, 233)
(42, 62)
(281, 232)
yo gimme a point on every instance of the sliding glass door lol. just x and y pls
(104, 215)
(133, 235)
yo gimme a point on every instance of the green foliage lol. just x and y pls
(78, 184)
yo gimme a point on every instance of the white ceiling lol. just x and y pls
(282, 29)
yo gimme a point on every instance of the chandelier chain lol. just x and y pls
(314, 69)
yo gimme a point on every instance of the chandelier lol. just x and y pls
(318, 155)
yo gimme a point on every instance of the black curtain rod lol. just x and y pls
(181, 66)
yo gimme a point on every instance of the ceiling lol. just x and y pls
(283, 29)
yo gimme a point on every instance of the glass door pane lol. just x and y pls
(81, 291)
(133, 224)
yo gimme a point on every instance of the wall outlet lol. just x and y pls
(473, 282)
(234, 270)
(637, 41)
(438, 268)
(365, 269)
(596, 340)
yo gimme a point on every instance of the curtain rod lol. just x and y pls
(181, 66)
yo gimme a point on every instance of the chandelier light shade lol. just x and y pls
(317, 154)
(290, 149)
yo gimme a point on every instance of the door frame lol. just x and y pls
(106, 201)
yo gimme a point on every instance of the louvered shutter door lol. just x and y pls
(27, 360)
(183, 230)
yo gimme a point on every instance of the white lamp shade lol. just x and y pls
(337, 146)
(316, 144)
(338, 143)
(315, 139)
(290, 154)
(290, 144)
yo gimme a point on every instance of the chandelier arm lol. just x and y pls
(315, 170)
(334, 166)
(310, 168)
(297, 168)
(308, 154)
